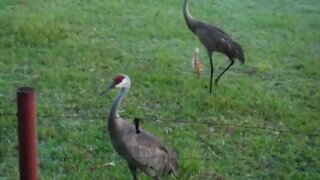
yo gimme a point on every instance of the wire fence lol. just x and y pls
(206, 157)
(203, 122)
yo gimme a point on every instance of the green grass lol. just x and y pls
(71, 50)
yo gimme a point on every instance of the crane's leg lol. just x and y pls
(133, 171)
(211, 65)
(217, 79)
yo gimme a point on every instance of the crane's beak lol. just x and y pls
(112, 86)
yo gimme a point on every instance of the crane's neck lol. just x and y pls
(114, 113)
(187, 16)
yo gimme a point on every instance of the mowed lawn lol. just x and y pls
(260, 122)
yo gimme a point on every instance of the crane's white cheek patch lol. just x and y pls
(121, 84)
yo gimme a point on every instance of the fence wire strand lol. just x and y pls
(205, 122)
(206, 158)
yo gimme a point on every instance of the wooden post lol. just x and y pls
(27, 133)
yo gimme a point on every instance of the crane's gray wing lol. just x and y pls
(150, 155)
(212, 29)
(215, 39)
(212, 37)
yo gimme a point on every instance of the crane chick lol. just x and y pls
(142, 150)
(196, 62)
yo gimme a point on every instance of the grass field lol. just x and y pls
(71, 50)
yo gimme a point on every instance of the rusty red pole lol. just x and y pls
(27, 133)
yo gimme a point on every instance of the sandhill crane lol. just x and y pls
(142, 150)
(214, 40)
(196, 62)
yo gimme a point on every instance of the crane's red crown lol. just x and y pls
(118, 79)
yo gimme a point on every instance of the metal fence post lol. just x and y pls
(27, 133)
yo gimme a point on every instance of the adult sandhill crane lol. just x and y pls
(214, 40)
(142, 150)
(196, 62)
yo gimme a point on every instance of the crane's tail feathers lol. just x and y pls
(238, 52)
(174, 168)
(175, 164)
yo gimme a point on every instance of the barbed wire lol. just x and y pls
(205, 158)
(205, 122)
(119, 158)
